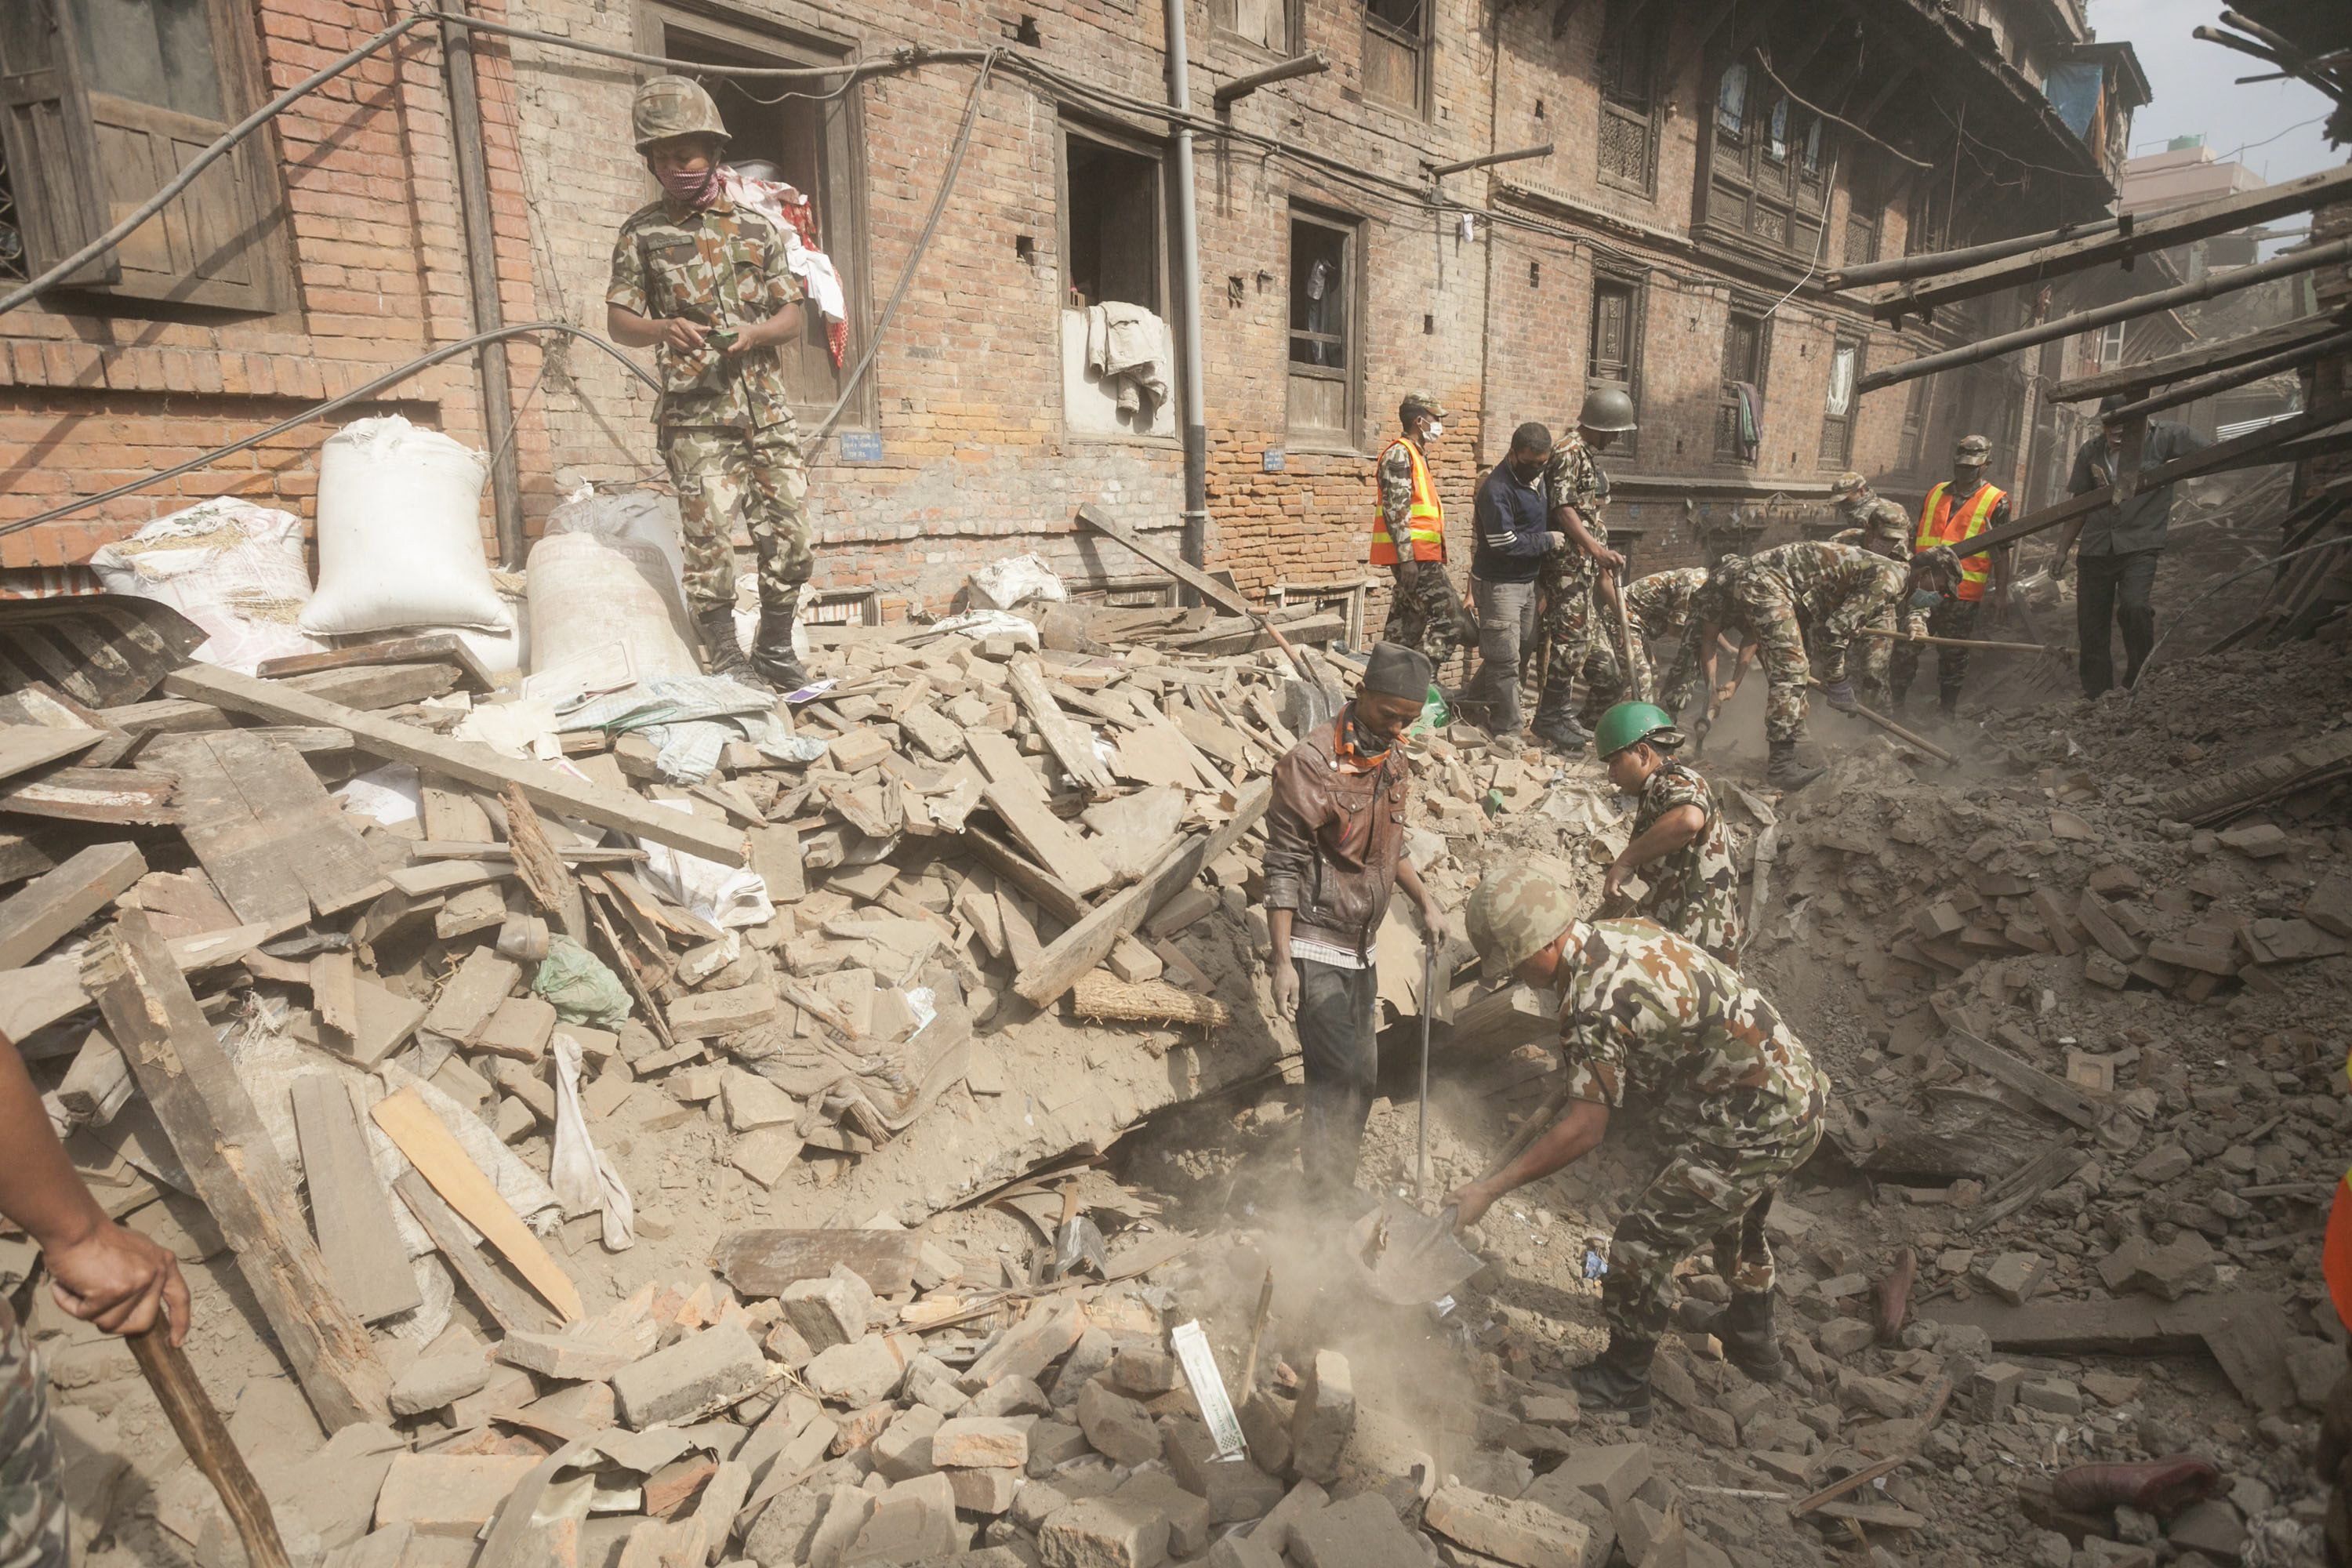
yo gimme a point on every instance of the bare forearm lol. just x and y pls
(779, 328)
(630, 329)
(38, 1188)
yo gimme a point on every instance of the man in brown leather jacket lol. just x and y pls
(1334, 850)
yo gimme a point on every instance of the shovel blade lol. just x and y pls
(1407, 1257)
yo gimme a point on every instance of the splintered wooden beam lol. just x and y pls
(226, 1151)
(462, 761)
(121, 796)
(431, 649)
(36, 917)
(363, 1251)
(2131, 378)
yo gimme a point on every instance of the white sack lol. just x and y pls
(400, 533)
(234, 569)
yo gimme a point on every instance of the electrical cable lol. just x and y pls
(357, 394)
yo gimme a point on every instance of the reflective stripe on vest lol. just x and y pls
(1939, 525)
(1425, 523)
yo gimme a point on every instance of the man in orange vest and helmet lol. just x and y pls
(1426, 610)
(1956, 511)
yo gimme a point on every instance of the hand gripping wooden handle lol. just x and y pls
(205, 1436)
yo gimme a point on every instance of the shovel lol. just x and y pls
(1077, 1241)
(1408, 1257)
(1428, 1005)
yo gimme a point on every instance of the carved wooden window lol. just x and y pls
(1614, 356)
(1628, 71)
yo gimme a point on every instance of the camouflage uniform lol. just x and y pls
(1885, 527)
(32, 1480)
(1774, 596)
(726, 427)
(1572, 478)
(1657, 606)
(1694, 891)
(1738, 1090)
(1426, 611)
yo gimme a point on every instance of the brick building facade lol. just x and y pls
(1671, 239)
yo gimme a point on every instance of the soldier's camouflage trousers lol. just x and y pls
(1765, 610)
(755, 477)
(32, 1485)
(1567, 576)
(1426, 612)
(1604, 675)
(1949, 619)
(1704, 1195)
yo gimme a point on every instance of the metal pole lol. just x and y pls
(1313, 64)
(1486, 160)
(1187, 295)
(482, 285)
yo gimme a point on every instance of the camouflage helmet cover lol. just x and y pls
(1971, 449)
(1417, 403)
(1517, 911)
(1939, 561)
(1848, 484)
(671, 106)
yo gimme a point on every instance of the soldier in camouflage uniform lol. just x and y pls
(705, 281)
(1425, 610)
(1656, 607)
(1576, 491)
(1678, 846)
(1736, 1093)
(1878, 524)
(115, 1279)
(1774, 597)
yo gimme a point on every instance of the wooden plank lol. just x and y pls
(24, 747)
(1058, 846)
(35, 997)
(36, 917)
(510, 1306)
(22, 856)
(2054, 1095)
(387, 1019)
(2160, 232)
(1072, 743)
(274, 842)
(2245, 1332)
(762, 1262)
(1087, 944)
(119, 796)
(349, 1207)
(96, 1083)
(453, 815)
(1225, 638)
(1502, 1021)
(2133, 378)
(1000, 761)
(1169, 562)
(1051, 894)
(219, 1139)
(464, 761)
(432, 647)
(334, 993)
(441, 1160)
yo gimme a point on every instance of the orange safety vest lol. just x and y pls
(1426, 521)
(1939, 525)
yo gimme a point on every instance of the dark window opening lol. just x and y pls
(803, 143)
(1841, 410)
(1322, 395)
(1114, 225)
(12, 238)
(1746, 339)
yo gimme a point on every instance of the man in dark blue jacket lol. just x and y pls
(1512, 522)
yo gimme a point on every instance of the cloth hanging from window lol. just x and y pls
(792, 213)
(1129, 349)
(1748, 418)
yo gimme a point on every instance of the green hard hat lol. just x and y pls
(1516, 911)
(1606, 408)
(671, 106)
(1627, 722)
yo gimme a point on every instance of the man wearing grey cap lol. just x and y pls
(1333, 853)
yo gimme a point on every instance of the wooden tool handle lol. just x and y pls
(206, 1437)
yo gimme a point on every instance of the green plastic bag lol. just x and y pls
(579, 986)
(1434, 714)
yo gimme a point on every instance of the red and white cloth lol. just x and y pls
(791, 212)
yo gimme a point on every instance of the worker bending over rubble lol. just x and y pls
(1873, 522)
(1657, 606)
(1771, 597)
(1334, 852)
(705, 281)
(1679, 847)
(1733, 1090)
(100, 1271)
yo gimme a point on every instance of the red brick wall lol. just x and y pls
(90, 398)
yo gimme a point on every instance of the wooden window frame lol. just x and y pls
(1726, 450)
(1635, 283)
(1294, 25)
(1747, 190)
(57, 182)
(1425, 48)
(1838, 429)
(1640, 114)
(739, 27)
(1354, 289)
(1134, 145)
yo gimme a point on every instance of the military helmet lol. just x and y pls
(1516, 911)
(1848, 486)
(1972, 449)
(671, 106)
(1629, 723)
(1940, 562)
(1417, 403)
(1607, 409)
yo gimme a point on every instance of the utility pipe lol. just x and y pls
(482, 286)
(1188, 293)
(1439, 170)
(2215, 283)
(1312, 64)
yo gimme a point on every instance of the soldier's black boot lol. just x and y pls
(1745, 1329)
(772, 659)
(1618, 1379)
(1784, 772)
(1556, 727)
(720, 651)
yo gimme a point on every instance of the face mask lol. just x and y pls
(694, 190)
(1926, 598)
(1437, 428)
